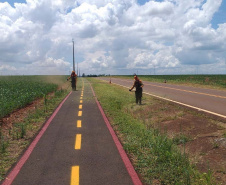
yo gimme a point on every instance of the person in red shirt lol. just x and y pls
(73, 78)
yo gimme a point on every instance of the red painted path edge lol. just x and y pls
(12, 175)
(122, 152)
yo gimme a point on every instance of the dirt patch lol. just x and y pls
(18, 115)
(203, 138)
(206, 143)
(10, 134)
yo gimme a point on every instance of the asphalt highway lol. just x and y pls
(207, 100)
(76, 148)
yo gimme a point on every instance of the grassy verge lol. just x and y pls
(14, 139)
(155, 157)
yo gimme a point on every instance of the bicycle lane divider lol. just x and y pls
(14, 172)
(79, 122)
(78, 140)
(75, 175)
(136, 180)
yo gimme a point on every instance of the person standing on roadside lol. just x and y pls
(73, 78)
(139, 88)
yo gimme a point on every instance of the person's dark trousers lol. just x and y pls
(73, 85)
(138, 95)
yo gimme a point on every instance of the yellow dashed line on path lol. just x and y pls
(79, 113)
(79, 123)
(75, 175)
(78, 141)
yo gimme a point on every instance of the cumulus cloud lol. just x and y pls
(110, 36)
(7, 67)
(48, 66)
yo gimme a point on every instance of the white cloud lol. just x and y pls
(50, 62)
(7, 68)
(110, 35)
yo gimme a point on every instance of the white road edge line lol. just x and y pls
(199, 109)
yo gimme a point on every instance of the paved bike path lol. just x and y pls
(96, 159)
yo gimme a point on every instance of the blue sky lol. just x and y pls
(113, 37)
(11, 2)
(220, 16)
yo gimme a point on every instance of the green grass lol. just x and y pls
(180, 139)
(224, 135)
(155, 157)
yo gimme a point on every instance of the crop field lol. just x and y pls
(18, 129)
(18, 91)
(208, 80)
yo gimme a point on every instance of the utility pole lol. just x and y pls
(77, 68)
(73, 56)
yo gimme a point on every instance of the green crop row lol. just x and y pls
(18, 91)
